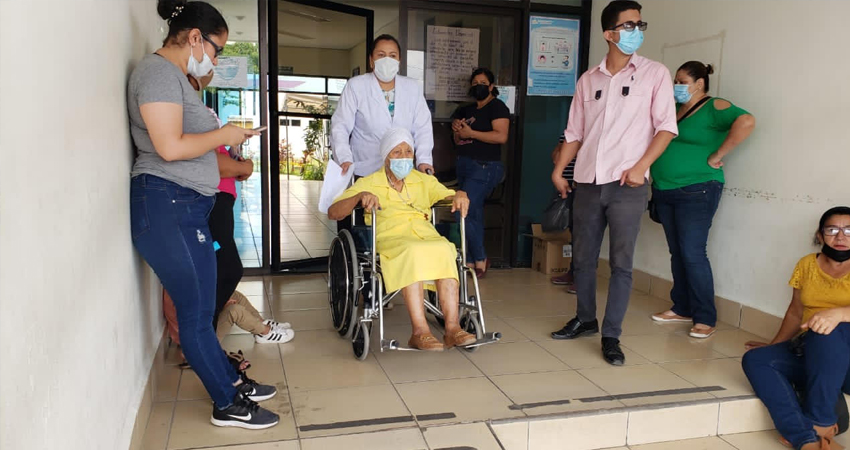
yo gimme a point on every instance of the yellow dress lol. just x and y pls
(411, 249)
(818, 290)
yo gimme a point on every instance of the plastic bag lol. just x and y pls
(556, 217)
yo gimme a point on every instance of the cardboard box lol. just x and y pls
(551, 252)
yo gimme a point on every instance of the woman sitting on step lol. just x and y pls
(811, 351)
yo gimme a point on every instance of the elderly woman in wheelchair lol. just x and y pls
(411, 250)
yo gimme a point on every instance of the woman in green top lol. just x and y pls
(687, 181)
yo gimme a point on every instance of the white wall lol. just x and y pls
(358, 52)
(80, 317)
(785, 62)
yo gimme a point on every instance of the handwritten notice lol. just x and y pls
(451, 56)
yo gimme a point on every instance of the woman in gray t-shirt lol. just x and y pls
(174, 181)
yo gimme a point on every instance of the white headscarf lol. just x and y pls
(392, 138)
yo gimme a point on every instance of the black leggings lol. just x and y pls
(228, 262)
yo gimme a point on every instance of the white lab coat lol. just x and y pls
(362, 117)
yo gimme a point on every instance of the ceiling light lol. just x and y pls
(305, 15)
(295, 35)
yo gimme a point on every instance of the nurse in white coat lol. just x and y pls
(373, 103)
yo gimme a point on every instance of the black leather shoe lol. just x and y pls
(575, 328)
(611, 351)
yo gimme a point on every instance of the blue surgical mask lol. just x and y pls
(681, 93)
(401, 167)
(630, 41)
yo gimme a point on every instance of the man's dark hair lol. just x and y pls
(611, 13)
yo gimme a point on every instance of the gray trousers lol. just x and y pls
(598, 207)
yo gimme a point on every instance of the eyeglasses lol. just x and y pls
(217, 49)
(833, 231)
(630, 26)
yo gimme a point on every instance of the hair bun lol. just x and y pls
(709, 69)
(167, 8)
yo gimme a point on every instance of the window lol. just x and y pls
(290, 122)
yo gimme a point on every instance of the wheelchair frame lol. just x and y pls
(354, 313)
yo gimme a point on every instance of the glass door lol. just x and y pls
(444, 42)
(316, 46)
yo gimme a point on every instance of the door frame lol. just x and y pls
(275, 263)
(497, 8)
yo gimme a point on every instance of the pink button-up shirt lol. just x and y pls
(616, 129)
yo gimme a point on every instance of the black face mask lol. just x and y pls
(479, 92)
(835, 255)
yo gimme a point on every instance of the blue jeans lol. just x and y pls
(170, 231)
(477, 179)
(686, 215)
(822, 372)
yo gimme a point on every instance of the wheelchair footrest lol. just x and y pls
(389, 344)
(489, 338)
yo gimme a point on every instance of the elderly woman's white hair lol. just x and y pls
(392, 138)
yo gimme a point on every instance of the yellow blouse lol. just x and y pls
(819, 290)
(408, 211)
(411, 249)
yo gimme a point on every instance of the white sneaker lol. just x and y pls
(281, 329)
(273, 323)
(275, 336)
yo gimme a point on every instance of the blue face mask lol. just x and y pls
(681, 93)
(401, 167)
(630, 41)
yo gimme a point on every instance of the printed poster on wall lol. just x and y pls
(507, 94)
(451, 55)
(552, 56)
(231, 73)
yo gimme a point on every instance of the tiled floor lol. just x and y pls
(401, 400)
(248, 220)
(305, 233)
(763, 440)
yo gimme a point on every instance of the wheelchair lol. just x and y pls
(355, 281)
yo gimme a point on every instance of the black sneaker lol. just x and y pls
(611, 351)
(244, 413)
(575, 328)
(255, 391)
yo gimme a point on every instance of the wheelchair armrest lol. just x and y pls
(442, 204)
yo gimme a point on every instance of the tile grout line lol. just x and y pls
(467, 355)
(289, 394)
(400, 397)
(174, 410)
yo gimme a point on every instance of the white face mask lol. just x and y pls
(199, 69)
(386, 69)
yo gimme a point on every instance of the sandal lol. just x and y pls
(481, 273)
(701, 331)
(425, 342)
(670, 317)
(459, 338)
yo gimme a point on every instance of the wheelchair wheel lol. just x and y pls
(361, 339)
(343, 282)
(469, 323)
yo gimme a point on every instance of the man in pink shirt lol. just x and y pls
(621, 119)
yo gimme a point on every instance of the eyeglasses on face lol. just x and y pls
(217, 49)
(833, 231)
(630, 26)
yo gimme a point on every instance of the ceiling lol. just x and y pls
(307, 26)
